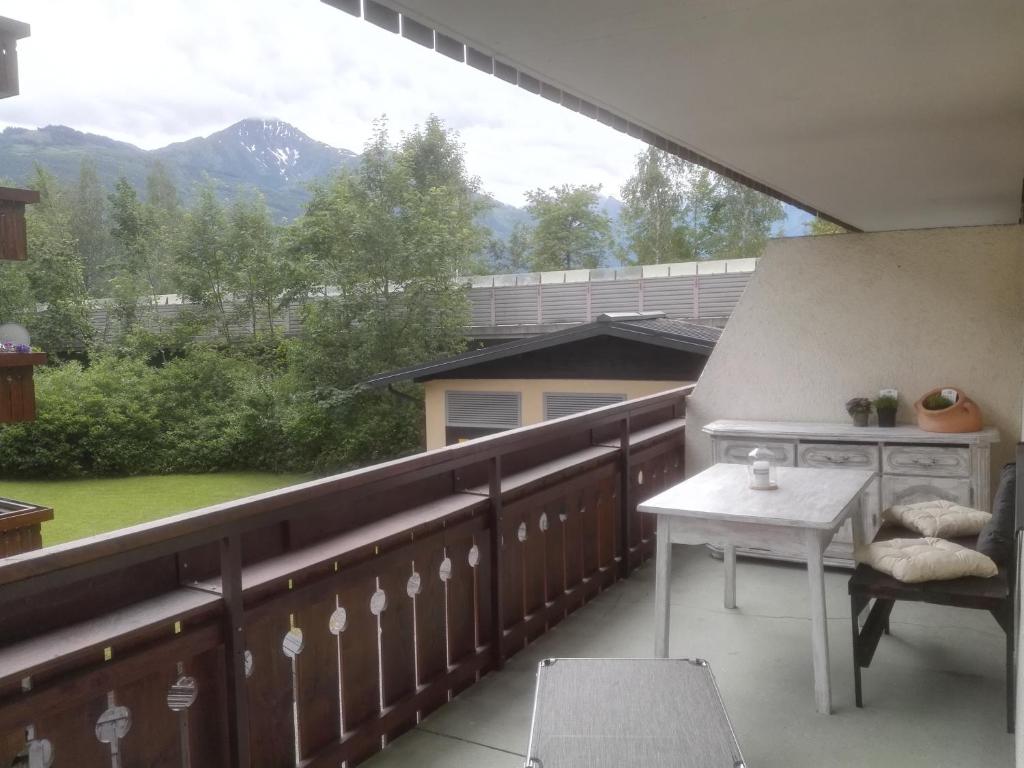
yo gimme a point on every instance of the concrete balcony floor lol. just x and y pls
(934, 694)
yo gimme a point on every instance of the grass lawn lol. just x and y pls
(84, 507)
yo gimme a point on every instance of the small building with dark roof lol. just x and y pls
(620, 356)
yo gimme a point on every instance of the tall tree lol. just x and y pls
(266, 276)
(90, 228)
(519, 248)
(652, 203)
(129, 265)
(164, 223)
(819, 226)
(16, 302)
(161, 193)
(55, 271)
(512, 256)
(392, 236)
(724, 219)
(569, 232)
(205, 268)
(434, 158)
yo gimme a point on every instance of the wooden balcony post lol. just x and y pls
(13, 234)
(497, 602)
(17, 385)
(234, 651)
(625, 493)
(679, 407)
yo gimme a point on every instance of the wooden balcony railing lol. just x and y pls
(310, 625)
(21, 526)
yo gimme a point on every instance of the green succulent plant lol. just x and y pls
(937, 402)
(886, 403)
(858, 405)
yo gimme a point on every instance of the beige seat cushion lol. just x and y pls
(940, 518)
(927, 559)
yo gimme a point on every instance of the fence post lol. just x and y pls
(624, 497)
(497, 523)
(234, 651)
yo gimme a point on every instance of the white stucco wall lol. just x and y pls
(829, 318)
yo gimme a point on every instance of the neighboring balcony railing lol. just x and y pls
(311, 625)
(21, 526)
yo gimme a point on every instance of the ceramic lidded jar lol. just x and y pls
(761, 469)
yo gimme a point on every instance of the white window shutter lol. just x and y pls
(558, 404)
(486, 410)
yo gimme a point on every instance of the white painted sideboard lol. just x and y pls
(912, 465)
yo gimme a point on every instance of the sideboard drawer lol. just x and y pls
(926, 460)
(838, 456)
(737, 450)
(910, 490)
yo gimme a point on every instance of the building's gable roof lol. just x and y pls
(652, 328)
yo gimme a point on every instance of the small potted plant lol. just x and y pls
(859, 408)
(936, 401)
(885, 407)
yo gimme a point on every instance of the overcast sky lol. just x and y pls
(151, 73)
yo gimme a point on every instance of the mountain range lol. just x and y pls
(267, 154)
(270, 155)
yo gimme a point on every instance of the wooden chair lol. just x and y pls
(996, 595)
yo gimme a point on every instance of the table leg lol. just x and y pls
(662, 576)
(729, 558)
(819, 625)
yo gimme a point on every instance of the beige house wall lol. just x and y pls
(828, 318)
(531, 392)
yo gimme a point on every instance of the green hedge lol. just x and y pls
(203, 412)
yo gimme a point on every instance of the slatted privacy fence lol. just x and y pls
(528, 303)
(312, 625)
(710, 297)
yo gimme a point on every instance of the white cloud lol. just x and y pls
(153, 73)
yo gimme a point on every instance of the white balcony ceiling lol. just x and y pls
(886, 115)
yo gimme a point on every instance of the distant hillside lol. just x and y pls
(270, 155)
(500, 218)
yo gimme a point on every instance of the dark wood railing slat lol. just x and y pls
(625, 509)
(235, 648)
(496, 587)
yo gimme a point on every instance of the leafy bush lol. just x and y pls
(204, 411)
(98, 420)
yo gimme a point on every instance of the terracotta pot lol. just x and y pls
(962, 416)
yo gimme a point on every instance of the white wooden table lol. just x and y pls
(800, 517)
